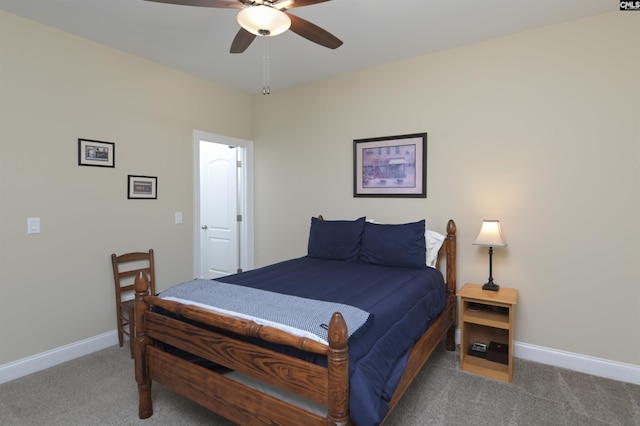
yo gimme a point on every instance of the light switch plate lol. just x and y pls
(33, 225)
(178, 218)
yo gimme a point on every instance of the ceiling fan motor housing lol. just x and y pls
(263, 20)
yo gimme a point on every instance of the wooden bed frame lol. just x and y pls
(242, 404)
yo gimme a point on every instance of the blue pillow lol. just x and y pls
(400, 246)
(335, 239)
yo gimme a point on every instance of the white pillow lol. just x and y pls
(434, 241)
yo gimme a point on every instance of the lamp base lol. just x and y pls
(491, 286)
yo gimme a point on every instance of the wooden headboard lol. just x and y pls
(448, 252)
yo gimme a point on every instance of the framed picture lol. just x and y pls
(96, 153)
(391, 166)
(142, 187)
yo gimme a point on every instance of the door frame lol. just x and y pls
(246, 204)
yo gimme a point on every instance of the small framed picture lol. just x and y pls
(142, 187)
(391, 166)
(96, 153)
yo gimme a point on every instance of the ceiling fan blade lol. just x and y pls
(241, 41)
(222, 4)
(313, 33)
(290, 4)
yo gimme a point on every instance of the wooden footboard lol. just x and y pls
(242, 404)
(328, 386)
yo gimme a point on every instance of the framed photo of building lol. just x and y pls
(391, 166)
(96, 153)
(142, 187)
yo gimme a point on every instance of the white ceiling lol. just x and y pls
(197, 40)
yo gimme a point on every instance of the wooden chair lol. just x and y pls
(125, 268)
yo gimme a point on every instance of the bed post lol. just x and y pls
(451, 283)
(338, 366)
(140, 341)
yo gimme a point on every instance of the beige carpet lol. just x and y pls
(99, 389)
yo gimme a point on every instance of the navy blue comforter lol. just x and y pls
(403, 302)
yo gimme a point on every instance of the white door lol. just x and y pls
(219, 210)
(223, 225)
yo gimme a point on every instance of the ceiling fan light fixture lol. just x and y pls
(264, 20)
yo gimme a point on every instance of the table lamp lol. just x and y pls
(490, 236)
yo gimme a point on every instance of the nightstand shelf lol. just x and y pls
(487, 319)
(486, 368)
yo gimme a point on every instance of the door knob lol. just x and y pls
(204, 227)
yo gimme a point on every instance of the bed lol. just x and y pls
(255, 372)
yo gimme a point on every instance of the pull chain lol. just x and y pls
(265, 68)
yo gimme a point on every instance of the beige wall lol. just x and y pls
(540, 130)
(57, 286)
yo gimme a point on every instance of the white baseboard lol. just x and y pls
(44, 360)
(585, 364)
(600, 367)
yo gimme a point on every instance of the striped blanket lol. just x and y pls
(296, 315)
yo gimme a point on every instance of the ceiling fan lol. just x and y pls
(266, 18)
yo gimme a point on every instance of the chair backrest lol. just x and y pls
(126, 267)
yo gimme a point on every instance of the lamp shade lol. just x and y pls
(264, 20)
(490, 234)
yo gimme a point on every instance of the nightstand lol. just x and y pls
(486, 341)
